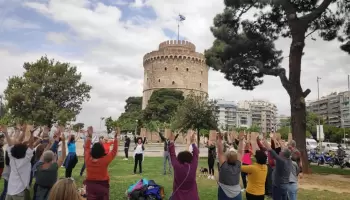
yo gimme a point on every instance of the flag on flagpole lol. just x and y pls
(182, 18)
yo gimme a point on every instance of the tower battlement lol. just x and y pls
(177, 43)
(175, 65)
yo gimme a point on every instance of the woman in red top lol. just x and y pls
(97, 161)
(107, 145)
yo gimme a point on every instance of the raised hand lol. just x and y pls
(90, 131)
(3, 128)
(117, 132)
(219, 136)
(193, 137)
(241, 136)
(171, 136)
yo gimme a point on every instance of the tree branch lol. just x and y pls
(311, 33)
(281, 72)
(317, 12)
(306, 93)
(288, 8)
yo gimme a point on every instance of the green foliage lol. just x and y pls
(254, 128)
(244, 48)
(162, 105)
(78, 126)
(110, 124)
(196, 113)
(332, 133)
(131, 118)
(48, 91)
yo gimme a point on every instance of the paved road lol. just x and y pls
(151, 150)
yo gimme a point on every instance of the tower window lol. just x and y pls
(173, 82)
(165, 68)
(200, 84)
(186, 69)
(201, 72)
(158, 80)
(177, 68)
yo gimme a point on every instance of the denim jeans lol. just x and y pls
(292, 191)
(4, 191)
(280, 192)
(166, 159)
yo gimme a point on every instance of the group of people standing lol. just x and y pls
(20, 163)
(274, 173)
(38, 158)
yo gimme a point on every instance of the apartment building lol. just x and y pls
(247, 113)
(226, 113)
(282, 120)
(264, 114)
(333, 108)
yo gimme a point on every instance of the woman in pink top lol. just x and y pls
(246, 160)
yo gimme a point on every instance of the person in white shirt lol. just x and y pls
(138, 153)
(20, 155)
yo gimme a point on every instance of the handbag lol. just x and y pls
(26, 190)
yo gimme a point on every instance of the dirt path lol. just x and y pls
(334, 183)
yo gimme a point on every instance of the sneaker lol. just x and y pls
(212, 178)
(209, 177)
(243, 190)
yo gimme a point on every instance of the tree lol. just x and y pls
(78, 126)
(244, 49)
(49, 91)
(162, 105)
(110, 124)
(196, 113)
(131, 118)
(254, 128)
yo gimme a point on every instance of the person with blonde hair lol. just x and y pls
(47, 170)
(229, 174)
(64, 189)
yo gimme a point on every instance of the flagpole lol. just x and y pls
(178, 30)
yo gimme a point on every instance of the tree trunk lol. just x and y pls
(296, 94)
(198, 138)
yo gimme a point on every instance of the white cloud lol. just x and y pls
(112, 55)
(57, 38)
(13, 24)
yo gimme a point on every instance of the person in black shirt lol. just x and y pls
(211, 158)
(126, 147)
(166, 155)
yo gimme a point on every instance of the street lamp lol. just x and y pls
(101, 119)
(318, 103)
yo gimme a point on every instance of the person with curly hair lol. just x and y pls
(185, 168)
(97, 162)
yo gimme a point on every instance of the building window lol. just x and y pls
(177, 68)
(201, 72)
(158, 80)
(200, 84)
(186, 69)
(173, 82)
(165, 68)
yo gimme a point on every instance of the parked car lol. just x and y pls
(329, 146)
(311, 144)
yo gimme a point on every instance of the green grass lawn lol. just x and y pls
(121, 177)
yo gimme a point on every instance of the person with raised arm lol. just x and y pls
(71, 159)
(230, 171)
(257, 173)
(281, 173)
(185, 168)
(166, 156)
(138, 153)
(97, 162)
(47, 170)
(20, 154)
